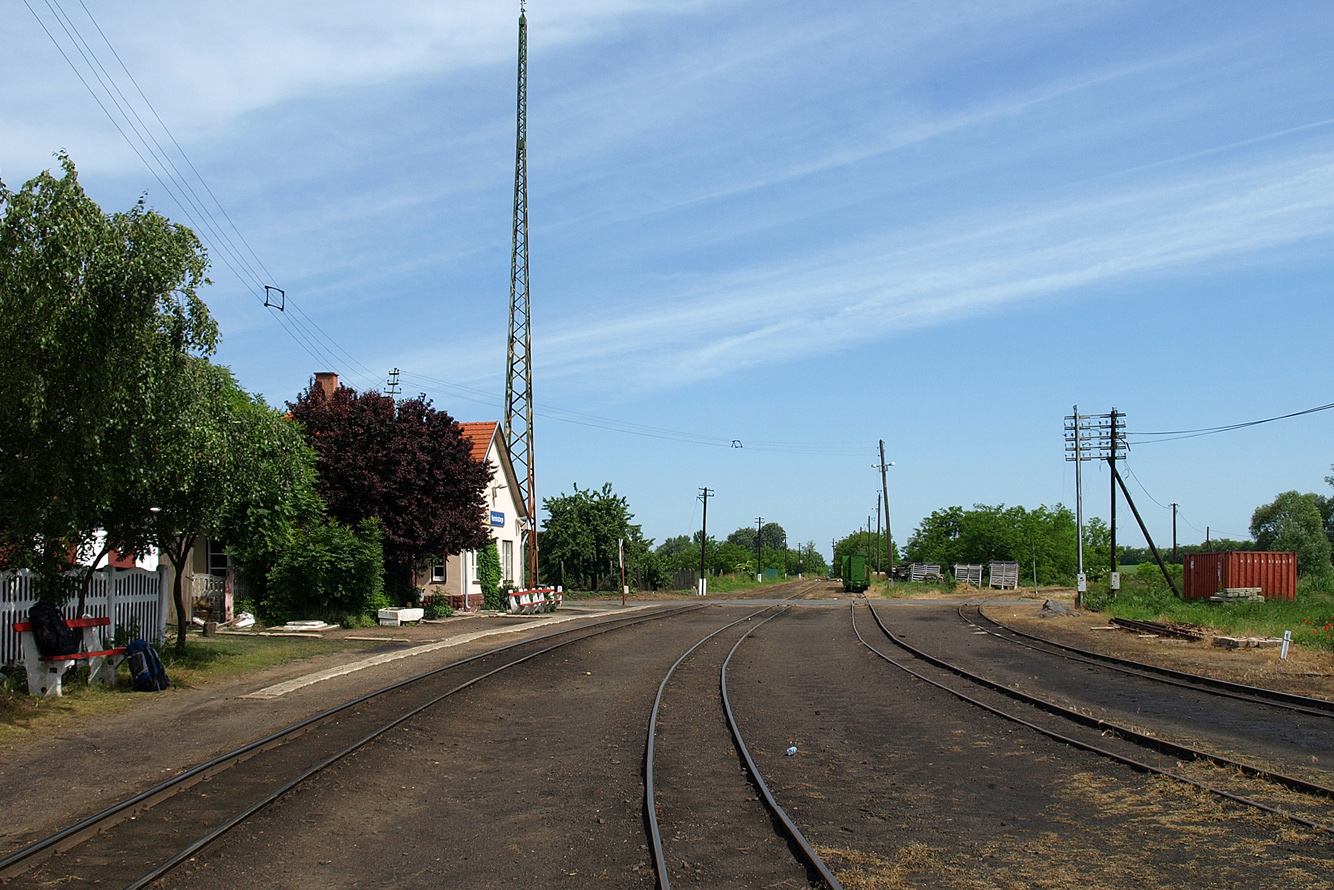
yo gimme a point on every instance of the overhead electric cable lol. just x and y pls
(154, 155)
(172, 137)
(632, 428)
(1173, 435)
(1126, 464)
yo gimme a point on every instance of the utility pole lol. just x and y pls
(868, 542)
(759, 564)
(1111, 463)
(884, 486)
(877, 532)
(1075, 452)
(392, 389)
(519, 366)
(1176, 558)
(704, 495)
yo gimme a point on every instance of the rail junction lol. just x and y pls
(808, 739)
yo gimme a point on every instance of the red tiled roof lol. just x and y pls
(479, 436)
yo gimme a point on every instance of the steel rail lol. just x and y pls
(180, 782)
(650, 802)
(792, 830)
(1139, 669)
(1304, 703)
(1129, 734)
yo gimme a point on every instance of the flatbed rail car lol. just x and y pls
(855, 572)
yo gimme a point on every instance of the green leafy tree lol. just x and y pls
(219, 463)
(403, 462)
(327, 570)
(986, 533)
(726, 557)
(862, 543)
(581, 534)
(96, 311)
(1293, 522)
(772, 536)
(806, 560)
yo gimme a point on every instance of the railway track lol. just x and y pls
(704, 772)
(1289, 701)
(140, 839)
(1307, 803)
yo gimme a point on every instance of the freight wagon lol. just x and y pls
(856, 573)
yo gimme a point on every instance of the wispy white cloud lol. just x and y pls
(903, 281)
(208, 63)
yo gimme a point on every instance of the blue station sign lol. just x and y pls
(497, 519)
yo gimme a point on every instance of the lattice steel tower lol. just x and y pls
(519, 367)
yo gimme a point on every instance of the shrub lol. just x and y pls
(330, 571)
(488, 575)
(438, 608)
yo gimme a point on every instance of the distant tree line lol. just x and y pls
(1301, 523)
(584, 530)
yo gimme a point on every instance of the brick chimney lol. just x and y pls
(327, 381)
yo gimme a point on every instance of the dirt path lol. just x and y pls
(534, 778)
(902, 785)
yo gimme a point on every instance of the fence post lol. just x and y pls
(161, 628)
(110, 632)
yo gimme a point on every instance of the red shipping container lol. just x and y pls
(1205, 574)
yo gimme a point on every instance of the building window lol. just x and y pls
(217, 558)
(507, 561)
(437, 571)
(472, 566)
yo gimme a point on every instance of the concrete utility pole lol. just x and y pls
(703, 587)
(759, 565)
(877, 532)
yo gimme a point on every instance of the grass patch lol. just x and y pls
(1310, 616)
(906, 588)
(209, 660)
(205, 661)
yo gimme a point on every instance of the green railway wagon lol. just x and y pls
(856, 574)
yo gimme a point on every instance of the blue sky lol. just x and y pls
(803, 226)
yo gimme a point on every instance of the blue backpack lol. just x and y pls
(146, 670)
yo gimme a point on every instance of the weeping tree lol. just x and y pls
(96, 312)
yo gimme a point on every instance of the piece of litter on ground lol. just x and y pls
(792, 750)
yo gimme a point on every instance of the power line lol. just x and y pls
(631, 428)
(158, 160)
(1142, 488)
(1173, 435)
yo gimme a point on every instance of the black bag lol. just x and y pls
(146, 670)
(50, 632)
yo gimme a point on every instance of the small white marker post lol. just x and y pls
(1287, 641)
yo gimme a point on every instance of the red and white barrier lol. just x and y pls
(538, 599)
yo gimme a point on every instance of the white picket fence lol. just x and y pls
(134, 599)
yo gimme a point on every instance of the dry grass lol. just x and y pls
(860, 870)
(1306, 671)
(1157, 833)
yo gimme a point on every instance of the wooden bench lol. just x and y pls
(45, 671)
(541, 599)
